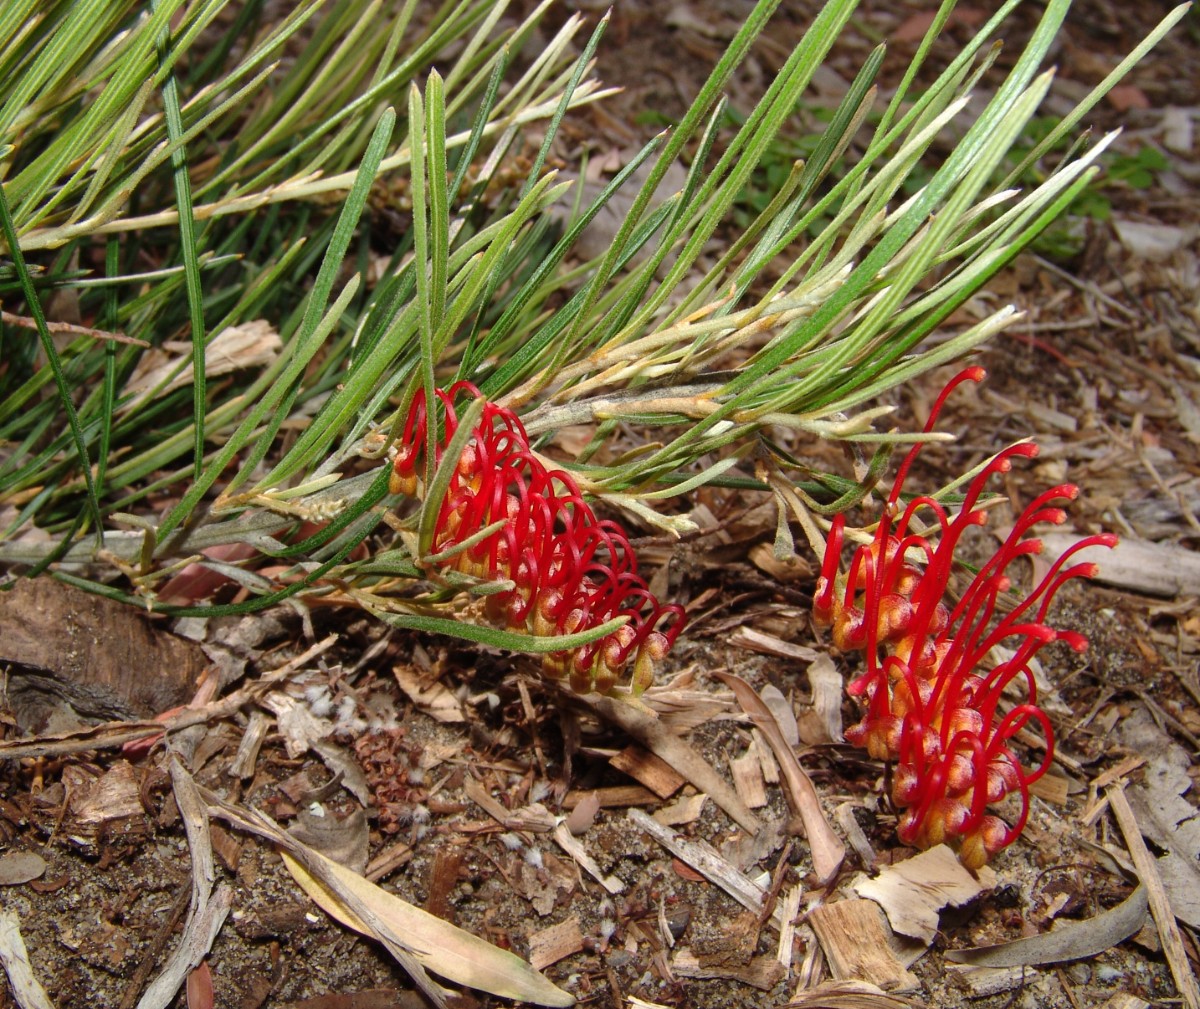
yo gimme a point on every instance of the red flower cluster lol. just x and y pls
(505, 516)
(930, 707)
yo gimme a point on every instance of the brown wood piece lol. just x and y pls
(653, 772)
(854, 936)
(554, 943)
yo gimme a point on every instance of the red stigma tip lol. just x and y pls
(1074, 639)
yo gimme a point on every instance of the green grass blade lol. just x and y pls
(34, 305)
(439, 209)
(187, 241)
(416, 140)
(435, 491)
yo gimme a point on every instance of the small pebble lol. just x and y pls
(1080, 973)
(678, 920)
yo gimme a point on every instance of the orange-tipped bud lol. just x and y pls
(1003, 778)
(983, 842)
(959, 720)
(960, 774)
(849, 630)
(906, 784)
(402, 483)
(895, 616)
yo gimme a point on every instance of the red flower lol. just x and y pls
(931, 706)
(506, 517)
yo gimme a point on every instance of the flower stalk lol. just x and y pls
(931, 705)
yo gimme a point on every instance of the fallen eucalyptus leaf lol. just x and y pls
(449, 951)
(418, 939)
(1072, 941)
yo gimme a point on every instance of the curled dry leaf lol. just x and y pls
(251, 345)
(913, 891)
(681, 707)
(343, 839)
(430, 696)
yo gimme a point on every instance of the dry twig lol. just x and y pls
(1160, 905)
(702, 857)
